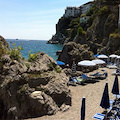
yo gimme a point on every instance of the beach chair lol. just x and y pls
(111, 102)
(116, 72)
(99, 75)
(99, 116)
(87, 79)
(78, 80)
(94, 74)
(72, 81)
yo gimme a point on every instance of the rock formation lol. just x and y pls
(102, 22)
(72, 51)
(31, 89)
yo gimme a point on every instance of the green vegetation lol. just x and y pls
(74, 23)
(56, 68)
(34, 75)
(27, 65)
(115, 35)
(15, 53)
(51, 66)
(104, 10)
(83, 15)
(92, 11)
(80, 31)
(32, 57)
(2, 50)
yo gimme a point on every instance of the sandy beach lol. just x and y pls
(92, 93)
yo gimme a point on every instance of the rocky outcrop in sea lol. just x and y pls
(31, 89)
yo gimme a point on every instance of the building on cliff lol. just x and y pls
(71, 12)
(84, 19)
(76, 11)
(86, 7)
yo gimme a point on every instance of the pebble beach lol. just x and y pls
(92, 92)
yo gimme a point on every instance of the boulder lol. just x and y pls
(72, 51)
(32, 89)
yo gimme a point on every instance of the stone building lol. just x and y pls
(71, 12)
(85, 7)
(84, 19)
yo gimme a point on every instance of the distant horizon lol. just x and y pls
(23, 39)
(30, 19)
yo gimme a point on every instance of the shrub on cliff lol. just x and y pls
(74, 23)
(32, 57)
(80, 31)
(115, 35)
(104, 10)
(2, 50)
(15, 53)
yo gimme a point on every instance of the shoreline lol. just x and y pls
(92, 92)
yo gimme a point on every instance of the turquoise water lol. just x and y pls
(35, 46)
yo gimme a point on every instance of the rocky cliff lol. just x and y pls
(102, 22)
(31, 88)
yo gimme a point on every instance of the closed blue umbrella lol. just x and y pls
(60, 63)
(105, 98)
(83, 109)
(115, 89)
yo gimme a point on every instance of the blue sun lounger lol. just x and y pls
(99, 116)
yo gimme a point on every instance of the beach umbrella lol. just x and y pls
(113, 56)
(115, 89)
(102, 56)
(98, 61)
(83, 109)
(118, 57)
(86, 63)
(105, 98)
(96, 55)
(60, 63)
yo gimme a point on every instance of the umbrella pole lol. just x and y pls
(116, 96)
(105, 114)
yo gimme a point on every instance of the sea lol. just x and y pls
(35, 46)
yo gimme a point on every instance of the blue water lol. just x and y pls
(35, 46)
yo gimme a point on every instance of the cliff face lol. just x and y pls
(31, 89)
(103, 21)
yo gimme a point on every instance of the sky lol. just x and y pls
(32, 19)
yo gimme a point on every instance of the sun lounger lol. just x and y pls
(72, 81)
(111, 101)
(99, 116)
(118, 96)
(78, 81)
(111, 66)
(116, 72)
(99, 75)
(87, 79)
(94, 74)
